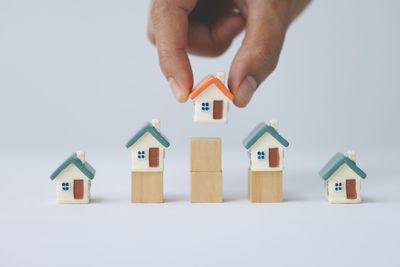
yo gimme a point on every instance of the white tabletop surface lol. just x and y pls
(303, 230)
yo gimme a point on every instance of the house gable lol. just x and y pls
(336, 162)
(259, 131)
(70, 173)
(266, 141)
(205, 85)
(344, 172)
(211, 93)
(146, 141)
(85, 168)
(148, 128)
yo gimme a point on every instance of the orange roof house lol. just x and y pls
(211, 99)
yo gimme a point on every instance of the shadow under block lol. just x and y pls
(205, 154)
(206, 187)
(147, 187)
(265, 186)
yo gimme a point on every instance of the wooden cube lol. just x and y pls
(206, 187)
(265, 186)
(205, 154)
(147, 187)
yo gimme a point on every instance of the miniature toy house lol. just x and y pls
(148, 152)
(148, 148)
(342, 179)
(73, 179)
(211, 100)
(265, 148)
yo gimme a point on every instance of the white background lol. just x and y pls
(82, 75)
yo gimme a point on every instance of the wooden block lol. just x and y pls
(206, 187)
(265, 186)
(205, 154)
(147, 187)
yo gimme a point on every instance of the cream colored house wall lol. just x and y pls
(209, 95)
(342, 174)
(264, 143)
(143, 144)
(68, 175)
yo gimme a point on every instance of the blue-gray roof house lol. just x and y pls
(148, 145)
(73, 178)
(342, 179)
(265, 146)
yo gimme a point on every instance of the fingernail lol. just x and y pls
(246, 90)
(176, 90)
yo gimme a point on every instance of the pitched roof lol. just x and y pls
(335, 162)
(259, 131)
(86, 168)
(206, 83)
(148, 127)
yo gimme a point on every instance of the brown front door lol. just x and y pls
(78, 189)
(154, 155)
(273, 157)
(218, 109)
(351, 189)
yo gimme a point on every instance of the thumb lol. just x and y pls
(259, 53)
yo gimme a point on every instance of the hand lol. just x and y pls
(207, 28)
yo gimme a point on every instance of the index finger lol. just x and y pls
(170, 23)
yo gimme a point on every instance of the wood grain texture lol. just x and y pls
(206, 187)
(205, 154)
(265, 186)
(147, 187)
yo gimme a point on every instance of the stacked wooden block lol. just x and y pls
(147, 187)
(205, 170)
(265, 186)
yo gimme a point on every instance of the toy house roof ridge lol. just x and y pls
(148, 127)
(335, 162)
(85, 167)
(259, 131)
(203, 85)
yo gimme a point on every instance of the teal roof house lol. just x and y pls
(148, 148)
(342, 179)
(73, 178)
(265, 147)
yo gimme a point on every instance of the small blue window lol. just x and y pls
(140, 154)
(65, 186)
(261, 155)
(338, 186)
(205, 106)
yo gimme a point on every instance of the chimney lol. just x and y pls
(221, 76)
(156, 124)
(352, 155)
(81, 155)
(274, 124)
